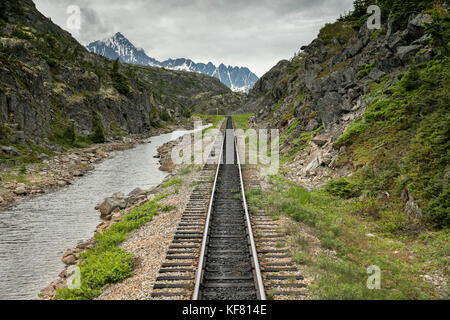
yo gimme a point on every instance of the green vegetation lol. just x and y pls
(107, 263)
(342, 188)
(342, 31)
(354, 130)
(172, 182)
(342, 225)
(294, 65)
(157, 117)
(98, 136)
(241, 121)
(403, 140)
(215, 120)
(365, 70)
(438, 30)
(63, 131)
(120, 81)
(399, 9)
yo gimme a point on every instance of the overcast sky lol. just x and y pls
(251, 33)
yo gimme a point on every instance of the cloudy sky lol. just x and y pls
(252, 33)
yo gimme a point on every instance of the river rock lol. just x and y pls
(109, 205)
(69, 260)
(83, 245)
(20, 190)
(1, 200)
(69, 257)
(78, 173)
(61, 183)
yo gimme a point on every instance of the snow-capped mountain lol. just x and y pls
(120, 47)
(236, 78)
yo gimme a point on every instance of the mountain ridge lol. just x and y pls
(238, 79)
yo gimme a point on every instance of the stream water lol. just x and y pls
(35, 233)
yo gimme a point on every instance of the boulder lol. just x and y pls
(69, 260)
(86, 244)
(11, 151)
(69, 257)
(321, 140)
(376, 74)
(135, 192)
(416, 24)
(108, 206)
(77, 173)
(405, 52)
(20, 190)
(411, 207)
(312, 125)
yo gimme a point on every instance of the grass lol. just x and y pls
(341, 225)
(241, 121)
(172, 182)
(107, 264)
(215, 120)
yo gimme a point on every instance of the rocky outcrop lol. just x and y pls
(322, 91)
(333, 78)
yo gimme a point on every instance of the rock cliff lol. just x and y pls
(359, 102)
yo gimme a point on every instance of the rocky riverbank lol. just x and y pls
(61, 169)
(114, 208)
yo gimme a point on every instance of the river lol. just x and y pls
(36, 232)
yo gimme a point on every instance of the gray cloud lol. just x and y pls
(252, 33)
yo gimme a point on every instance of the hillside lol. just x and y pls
(54, 92)
(364, 126)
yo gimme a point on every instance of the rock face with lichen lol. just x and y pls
(367, 103)
(328, 78)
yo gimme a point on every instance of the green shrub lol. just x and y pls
(365, 70)
(69, 133)
(154, 118)
(98, 135)
(354, 130)
(120, 81)
(165, 116)
(343, 31)
(439, 30)
(342, 188)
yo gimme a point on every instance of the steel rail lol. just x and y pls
(259, 282)
(259, 286)
(201, 263)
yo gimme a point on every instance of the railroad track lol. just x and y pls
(214, 253)
(228, 268)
